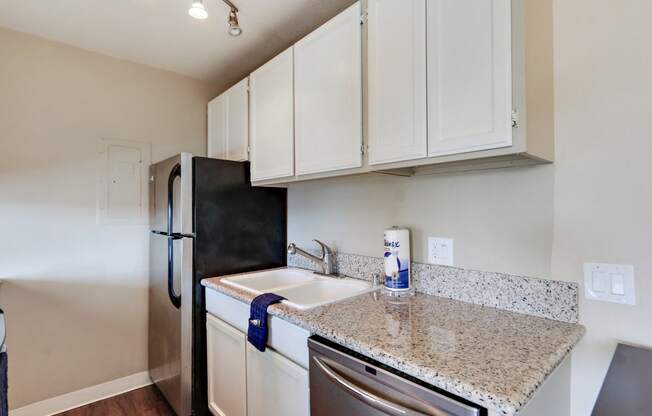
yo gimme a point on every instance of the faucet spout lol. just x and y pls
(325, 262)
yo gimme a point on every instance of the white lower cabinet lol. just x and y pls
(275, 385)
(244, 381)
(227, 375)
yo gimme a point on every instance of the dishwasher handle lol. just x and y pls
(373, 400)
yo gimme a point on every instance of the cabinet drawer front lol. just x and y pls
(469, 75)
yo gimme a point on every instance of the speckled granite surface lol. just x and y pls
(539, 297)
(490, 356)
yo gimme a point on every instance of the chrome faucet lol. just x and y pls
(326, 261)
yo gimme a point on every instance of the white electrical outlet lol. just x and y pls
(440, 251)
(609, 283)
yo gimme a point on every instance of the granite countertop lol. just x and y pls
(492, 357)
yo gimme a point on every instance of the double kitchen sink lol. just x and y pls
(302, 289)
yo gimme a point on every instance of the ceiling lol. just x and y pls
(160, 33)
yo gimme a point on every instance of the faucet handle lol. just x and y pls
(324, 248)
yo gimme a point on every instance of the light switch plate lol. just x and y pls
(609, 283)
(440, 251)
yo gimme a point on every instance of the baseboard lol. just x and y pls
(84, 396)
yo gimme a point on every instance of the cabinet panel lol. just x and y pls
(237, 122)
(328, 95)
(469, 75)
(272, 118)
(217, 128)
(397, 80)
(226, 362)
(275, 385)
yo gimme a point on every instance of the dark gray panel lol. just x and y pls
(627, 388)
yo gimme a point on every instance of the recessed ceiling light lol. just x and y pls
(197, 10)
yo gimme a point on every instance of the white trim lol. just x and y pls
(84, 396)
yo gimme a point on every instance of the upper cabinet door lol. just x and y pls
(272, 118)
(328, 95)
(469, 75)
(397, 80)
(237, 122)
(228, 124)
(217, 127)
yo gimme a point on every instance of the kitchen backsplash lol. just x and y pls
(550, 299)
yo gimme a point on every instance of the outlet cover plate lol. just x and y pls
(440, 251)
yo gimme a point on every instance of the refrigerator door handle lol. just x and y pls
(173, 236)
(174, 297)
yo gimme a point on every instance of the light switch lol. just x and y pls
(617, 284)
(609, 283)
(600, 282)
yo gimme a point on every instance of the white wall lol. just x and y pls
(75, 293)
(593, 204)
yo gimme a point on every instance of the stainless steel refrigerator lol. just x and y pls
(206, 220)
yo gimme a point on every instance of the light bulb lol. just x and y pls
(235, 31)
(197, 10)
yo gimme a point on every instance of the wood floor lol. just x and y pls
(142, 402)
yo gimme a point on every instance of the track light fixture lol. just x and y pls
(198, 11)
(234, 26)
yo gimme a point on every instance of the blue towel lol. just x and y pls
(257, 334)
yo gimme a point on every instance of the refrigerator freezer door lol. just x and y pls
(170, 288)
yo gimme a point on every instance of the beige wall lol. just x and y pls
(500, 220)
(75, 292)
(603, 178)
(593, 205)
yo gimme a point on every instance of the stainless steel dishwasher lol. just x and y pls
(346, 383)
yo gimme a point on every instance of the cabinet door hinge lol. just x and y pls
(516, 121)
(363, 18)
(363, 148)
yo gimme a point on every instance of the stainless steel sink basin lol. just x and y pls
(302, 289)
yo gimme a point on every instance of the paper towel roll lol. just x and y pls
(397, 259)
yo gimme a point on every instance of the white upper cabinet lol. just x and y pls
(272, 118)
(397, 80)
(228, 124)
(328, 95)
(469, 75)
(217, 127)
(237, 121)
